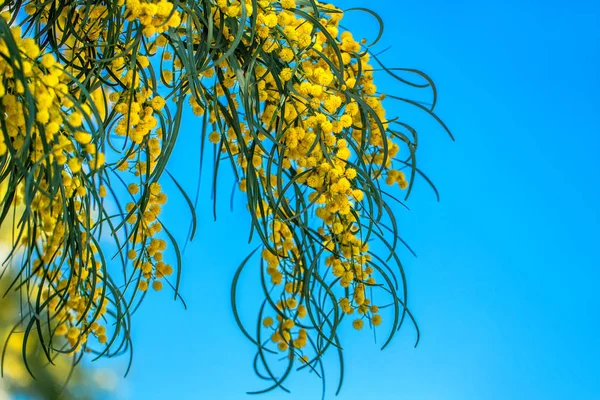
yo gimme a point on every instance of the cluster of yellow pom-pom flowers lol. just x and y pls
(284, 93)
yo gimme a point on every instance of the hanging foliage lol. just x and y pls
(92, 95)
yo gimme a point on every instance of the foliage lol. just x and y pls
(56, 380)
(92, 95)
(59, 380)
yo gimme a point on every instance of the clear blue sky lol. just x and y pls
(505, 283)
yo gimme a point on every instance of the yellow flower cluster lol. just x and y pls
(156, 17)
(52, 135)
(60, 137)
(286, 94)
(321, 121)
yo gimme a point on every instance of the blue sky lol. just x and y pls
(504, 283)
